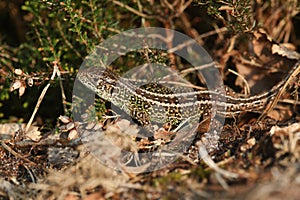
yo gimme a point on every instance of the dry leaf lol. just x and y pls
(250, 143)
(125, 127)
(64, 119)
(286, 140)
(18, 71)
(16, 85)
(284, 51)
(22, 90)
(70, 126)
(73, 135)
(33, 133)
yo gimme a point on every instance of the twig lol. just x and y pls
(289, 101)
(143, 20)
(16, 154)
(189, 28)
(185, 72)
(49, 142)
(208, 160)
(55, 71)
(247, 88)
(295, 72)
(63, 95)
(204, 35)
(67, 42)
(132, 10)
(184, 6)
(30, 173)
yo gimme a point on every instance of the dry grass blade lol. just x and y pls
(295, 72)
(55, 72)
(17, 154)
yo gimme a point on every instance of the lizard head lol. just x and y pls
(100, 80)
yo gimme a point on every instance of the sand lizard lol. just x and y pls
(146, 104)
